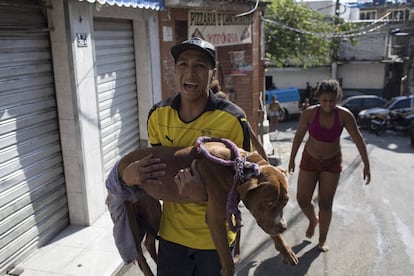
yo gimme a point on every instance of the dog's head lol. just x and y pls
(265, 196)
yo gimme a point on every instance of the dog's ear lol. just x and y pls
(249, 185)
(255, 157)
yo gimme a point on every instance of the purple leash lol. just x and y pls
(240, 164)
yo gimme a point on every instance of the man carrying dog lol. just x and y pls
(186, 247)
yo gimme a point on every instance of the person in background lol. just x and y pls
(313, 99)
(321, 161)
(274, 113)
(305, 104)
(216, 89)
(308, 91)
(185, 245)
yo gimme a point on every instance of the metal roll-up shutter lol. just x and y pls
(33, 204)
(117, 90)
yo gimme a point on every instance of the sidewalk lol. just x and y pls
(91, 251)
(77, 251)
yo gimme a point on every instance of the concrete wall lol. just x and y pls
(297, 77)
(367, 77)
(369, 47)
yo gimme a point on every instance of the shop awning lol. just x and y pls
(147, 4)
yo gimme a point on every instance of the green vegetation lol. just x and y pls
(296, 36)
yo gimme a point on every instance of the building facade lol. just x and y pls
(77, 83)
(379, 63)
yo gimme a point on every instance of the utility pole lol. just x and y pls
(335, 46)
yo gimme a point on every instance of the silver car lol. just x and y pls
(400, 103)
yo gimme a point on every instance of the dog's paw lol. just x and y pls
(284, 171)
(290, 258)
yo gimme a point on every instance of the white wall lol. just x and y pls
(362, 75)
(297, 77)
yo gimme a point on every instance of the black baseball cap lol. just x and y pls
(195, 43)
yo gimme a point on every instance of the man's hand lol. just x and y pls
(190, 184)
(144, 171)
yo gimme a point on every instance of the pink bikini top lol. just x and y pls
(322, 134)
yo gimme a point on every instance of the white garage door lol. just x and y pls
(33, 204)
(117, 90)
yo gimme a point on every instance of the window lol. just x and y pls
(368, 15)
(374, 102)
(402, 104)
(399, 15)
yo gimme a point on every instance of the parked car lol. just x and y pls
(411, 131)
(400, 104)
(345, 95)
(350, 93)
(357, 103)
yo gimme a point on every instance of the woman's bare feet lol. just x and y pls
(323, 247)
(311, 228)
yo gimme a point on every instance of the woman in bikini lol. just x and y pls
(321, 158)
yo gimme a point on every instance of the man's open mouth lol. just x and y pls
(190, 86)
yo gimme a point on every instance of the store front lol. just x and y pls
(237, 39)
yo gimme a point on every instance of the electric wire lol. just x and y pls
(346, 34)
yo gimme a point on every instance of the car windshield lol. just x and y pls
(383, 104)
(390, 102)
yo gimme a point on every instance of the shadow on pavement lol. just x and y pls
(275, 266)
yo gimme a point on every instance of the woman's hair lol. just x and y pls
(329, 86)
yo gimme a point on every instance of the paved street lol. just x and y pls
(372, 230)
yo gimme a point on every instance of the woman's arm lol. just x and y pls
(353, 130)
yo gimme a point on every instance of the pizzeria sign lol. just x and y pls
(220, 28)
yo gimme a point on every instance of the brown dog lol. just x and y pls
(264, 196)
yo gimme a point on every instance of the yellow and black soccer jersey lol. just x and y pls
(185, 223)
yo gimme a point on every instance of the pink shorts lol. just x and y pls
(309, 163)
